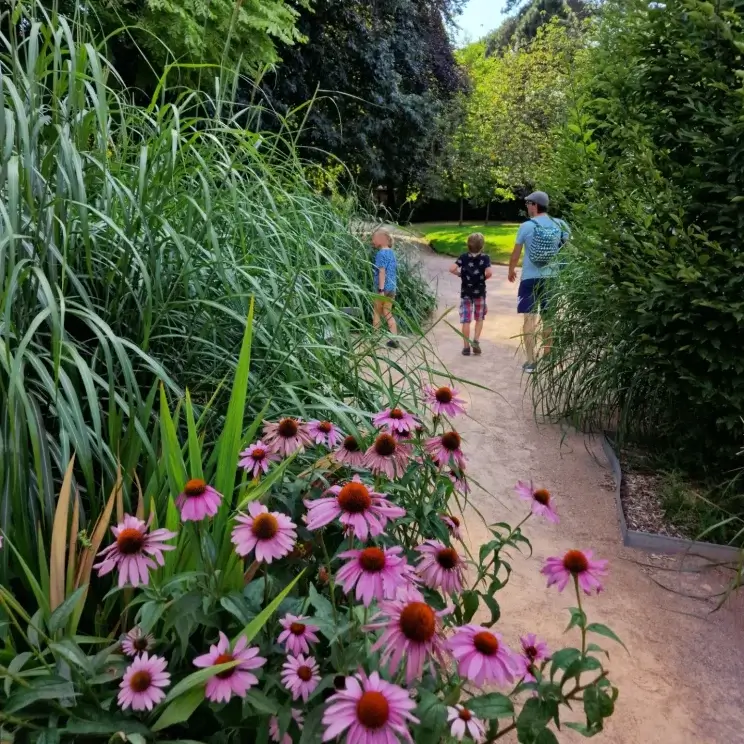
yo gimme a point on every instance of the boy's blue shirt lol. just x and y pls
(385, 259)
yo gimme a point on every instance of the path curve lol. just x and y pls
(683, 681)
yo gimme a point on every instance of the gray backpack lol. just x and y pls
(547, 240)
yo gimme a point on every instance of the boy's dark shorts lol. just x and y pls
(534, 295)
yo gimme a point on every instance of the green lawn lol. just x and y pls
(451, 238)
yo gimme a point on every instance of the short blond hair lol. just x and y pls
(476, 241)
(384, 231)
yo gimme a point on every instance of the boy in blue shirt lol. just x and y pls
(386, 282)
(534, 287)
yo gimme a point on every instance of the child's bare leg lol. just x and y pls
(376, 313)
(478, 329)
(466, 334)
(387, 311)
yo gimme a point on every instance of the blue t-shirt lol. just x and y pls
(524, 237)
(385, 259)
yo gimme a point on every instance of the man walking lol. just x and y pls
(542, 237)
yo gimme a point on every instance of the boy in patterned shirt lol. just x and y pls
(474, 268)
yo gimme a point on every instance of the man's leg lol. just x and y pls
(547, 339)
(530, 329)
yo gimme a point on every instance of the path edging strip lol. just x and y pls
(660, 543)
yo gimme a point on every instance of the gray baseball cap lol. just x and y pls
(539, 197)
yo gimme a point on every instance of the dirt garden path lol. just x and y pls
(683, 681)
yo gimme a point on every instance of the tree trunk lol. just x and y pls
(488, 210)
(462, 205)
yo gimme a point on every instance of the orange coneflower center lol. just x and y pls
(451, 441)
(325, 426)
(140, 644)
(397, 413)
(418, 622)
(447, 558)
(351, 444)
(195, 487)
(372, 559)
(130, 541)
(486, 643)
(297, 628)
(354, 498)
(530, 652)
(373, 709)
(265, 526)
(258, 454)
(305, 673)
(140, 681)
(465, 714)
(385, 445)
(575, 562)
(288, 428)
(542, 496)
(454, 520)
(225, 659)
(443, 395)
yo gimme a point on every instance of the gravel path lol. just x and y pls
(683, 681)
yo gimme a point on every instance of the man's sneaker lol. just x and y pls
(466, 351)
(528, 368)
(393, 344)
(476, 348)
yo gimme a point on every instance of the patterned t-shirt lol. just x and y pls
(385, 259)
(473, 274)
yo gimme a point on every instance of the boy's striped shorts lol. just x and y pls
(472, 308)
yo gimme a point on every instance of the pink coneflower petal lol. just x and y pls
(300, 675)
(540, 498)
(286, 436)
(198, 500)
(377, 573)
(256, 458)
(298, 634)
(579, 564)
(482, 657)
(136, 642)
(143, 683)
(445, 401)
(271, 535)
(371, 710)
(234, 681)
(453, 525)
(411, 630)
(274, 732)
(459, 481)
(135, 551)
(387, 456)
(325, 433)
(350, 453)
(358, 508)
(440, 567)
(463, 721)
(534, 652)
(446, 449)
(395, 419)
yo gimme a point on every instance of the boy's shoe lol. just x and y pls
(476, 348)
(393, 344)
(466, 351)
(528, 368)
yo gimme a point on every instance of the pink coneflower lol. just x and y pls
(136, 642)
(238, 679)
(445, 449)
(324, 432)
(444, 400)
(378, 573)
(256, 458)
(198, 500)
(579, 565)
(298, 634)
(540, 498)
(359, 508)
(411, 629)
(143, 683)
(387, 456)
(464, 721)
(395, 419)
(440, 566)
(482, 657)
(534, 651)
(459, 481)
(300, 676)
(271, 534)
(134, 552)
(350, 453)
(374, 711)
(274, 732)
(286, 436)
(453, 525)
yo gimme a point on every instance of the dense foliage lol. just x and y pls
(649, 332)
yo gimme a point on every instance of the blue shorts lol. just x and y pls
(533, 296)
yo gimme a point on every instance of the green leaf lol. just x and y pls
(578, 618)
(493, 606)
(312, 730)
(72, 654)
(563, 659)
(603, 630)
(261, 703)
(61, 615)
(256, 492)
(431, 711)
(105, 723)
(490, 706)
(254, 626)
(45, 688)
(470, 604)
(546, 736)
(594, 648)
(180, 709)
(195, 462)
(197, 679)
(533, 719)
